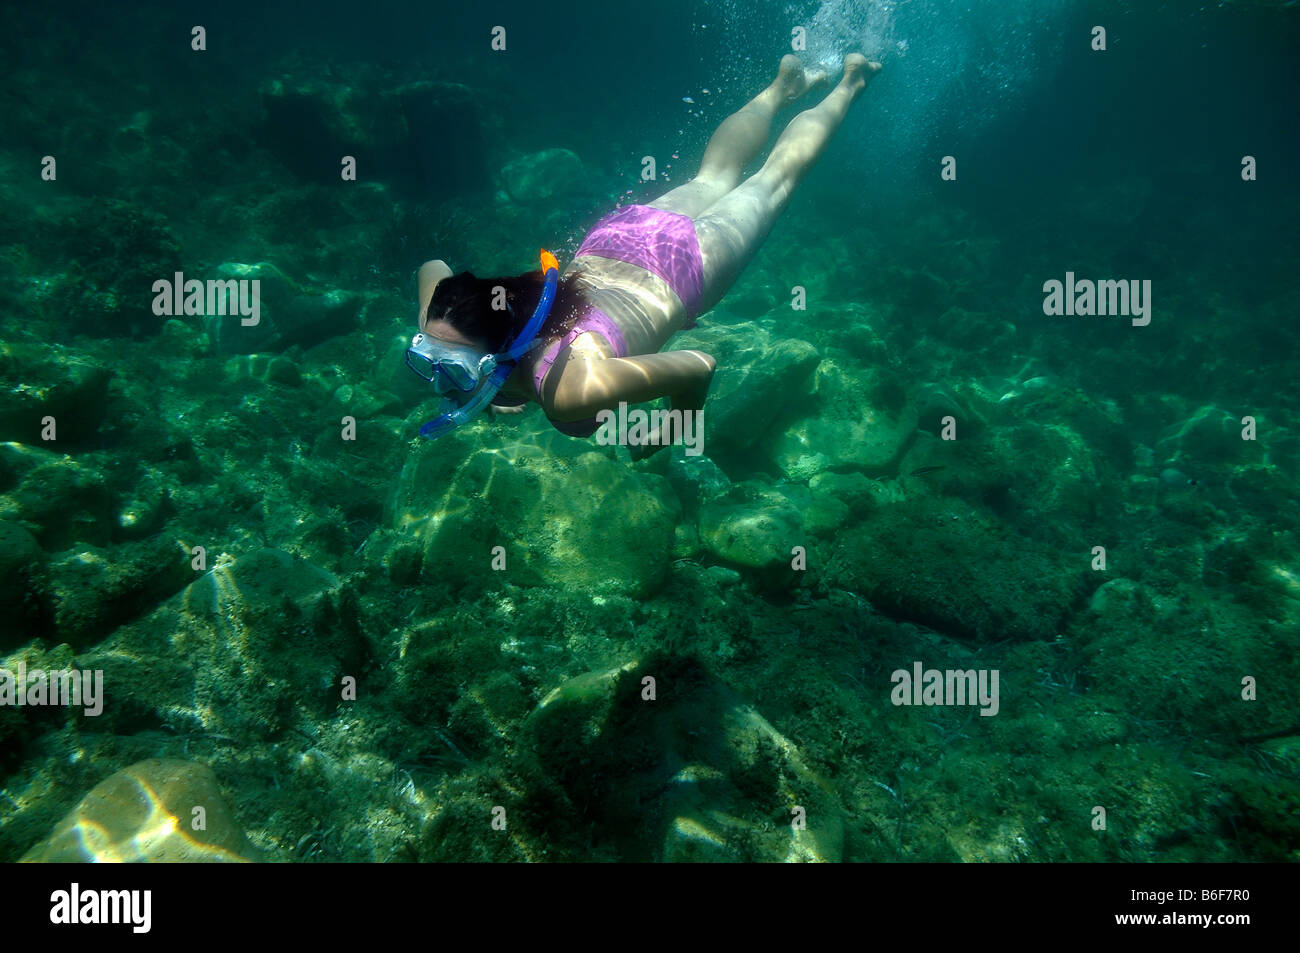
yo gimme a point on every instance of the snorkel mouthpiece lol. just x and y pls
(493, 369)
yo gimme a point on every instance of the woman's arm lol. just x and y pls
(587, 384)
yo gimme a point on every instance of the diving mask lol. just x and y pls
(448, 367)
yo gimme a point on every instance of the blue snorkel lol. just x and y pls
(493, 369)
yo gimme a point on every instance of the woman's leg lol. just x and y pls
(732, 229)
(740, 137)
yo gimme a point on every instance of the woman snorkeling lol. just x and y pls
(584, 341)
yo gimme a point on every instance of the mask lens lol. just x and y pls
(444, 371)
(421, 365)
(455, 375)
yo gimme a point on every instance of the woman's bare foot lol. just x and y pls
(793, 81)
(858, 71)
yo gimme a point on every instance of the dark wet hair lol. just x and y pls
(466, 302)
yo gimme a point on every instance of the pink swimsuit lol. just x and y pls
(664, 244)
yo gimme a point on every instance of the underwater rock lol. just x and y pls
(95, 589)
(1048, 475)
(364, 401)
(155, 811)
(758, 380)
(1211, 435)
(1190, 638)
(253, 366)
(850, 431)
(23, 585)
(314, 116)
(543, 176)
(758, 526)
(121, 250)
(918, 295)
(696, 480)
(703, 830)
(263, 578)
(1067, 476)
(36, 382)
(1039, 453)
(64, 501)
(279, 370)
(976, 332)
(935, 402)
(1123, 605)
(851, 327)
(310, 124)
(758, 533)
(823, 515)
(178, 341)
(693, 774)
(430, 108)
(1117, 595)
(723, 576)
(577, 522)
(686, 541)
(854, 490)
(246, 645)
(147, 510)
(288, 313)
(945, 565)
(749, 301)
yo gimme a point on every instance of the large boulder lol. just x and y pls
(288, 312)
(760, 380)
(863, 422)
(946, 565)
(47, 380)
(1211, 435)
(155, 811)
(62, 500)
(854, 491)
(758, 535)
(763, 529)
(216, 656)
(95, 589)
(693, 773)
(543, 176)
(568, 518)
